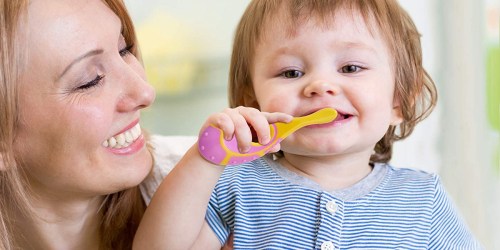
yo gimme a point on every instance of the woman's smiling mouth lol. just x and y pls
(123, 139)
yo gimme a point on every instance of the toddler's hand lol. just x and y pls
(237, 122)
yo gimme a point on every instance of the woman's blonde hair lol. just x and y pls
(414, 88)
(121, 211)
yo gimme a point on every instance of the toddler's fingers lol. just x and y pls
(277, 117)
(263, 133)
(242, 130)
(237, 121)
(259, 123)
(275, 148)
(222, 121)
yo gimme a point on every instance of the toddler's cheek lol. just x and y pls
(277, 104)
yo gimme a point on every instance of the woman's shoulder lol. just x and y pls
(171, 145)
(167, 151)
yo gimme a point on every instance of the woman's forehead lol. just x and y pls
(44, 13)
(60, 30)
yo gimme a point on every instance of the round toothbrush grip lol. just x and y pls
(215, 149)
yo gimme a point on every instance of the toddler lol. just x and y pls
(326, 186)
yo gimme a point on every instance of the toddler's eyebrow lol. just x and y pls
(354, 45)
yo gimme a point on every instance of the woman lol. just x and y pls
(72, 153)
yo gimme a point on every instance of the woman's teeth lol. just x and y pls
(124, 139)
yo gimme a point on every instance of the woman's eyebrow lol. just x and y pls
(78, 59)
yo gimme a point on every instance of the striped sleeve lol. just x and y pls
(448, 229)
(215, 219)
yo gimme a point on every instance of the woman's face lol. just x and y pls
(81, 91)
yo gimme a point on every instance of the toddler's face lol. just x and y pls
(343, 66)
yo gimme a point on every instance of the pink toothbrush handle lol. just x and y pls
(215, 149)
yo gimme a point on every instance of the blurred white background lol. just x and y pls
(186, 48)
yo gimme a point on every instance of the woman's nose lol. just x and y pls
(137, 94)
(320, 88)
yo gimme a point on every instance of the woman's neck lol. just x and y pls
(59, 224)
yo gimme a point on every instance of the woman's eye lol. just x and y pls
(126, 51)
(350, 69)
(292, 74)
(94, 83)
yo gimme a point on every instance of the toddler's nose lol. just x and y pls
(320, 88)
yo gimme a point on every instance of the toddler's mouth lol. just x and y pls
(342, 116)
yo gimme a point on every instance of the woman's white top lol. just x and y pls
(167, 151)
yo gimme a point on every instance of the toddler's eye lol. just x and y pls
(292, 74)
(350, 69)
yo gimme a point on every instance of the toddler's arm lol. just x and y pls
(175, 219)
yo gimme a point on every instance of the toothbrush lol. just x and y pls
(214, 148)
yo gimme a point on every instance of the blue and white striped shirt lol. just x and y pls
(269, 207)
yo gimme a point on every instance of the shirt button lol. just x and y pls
(327, 245)
(331, 207)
